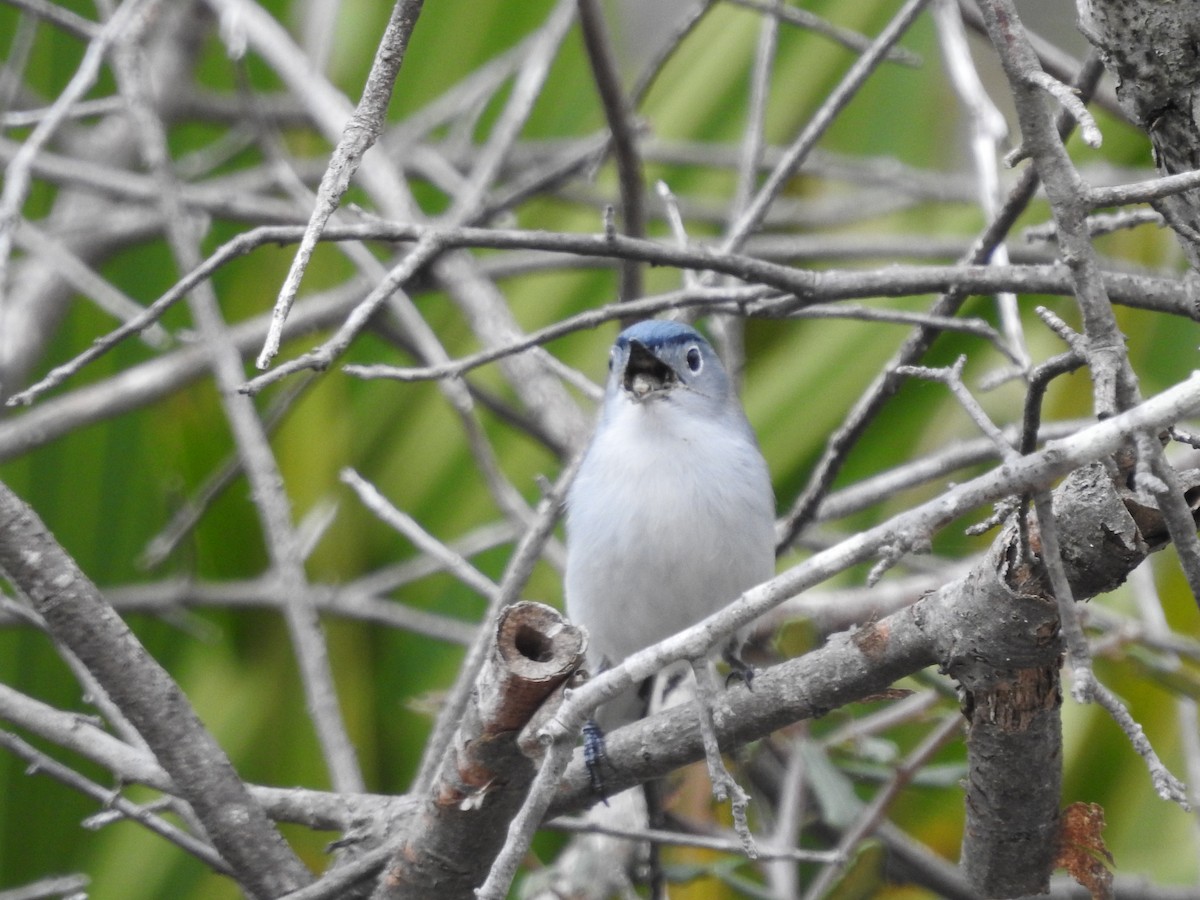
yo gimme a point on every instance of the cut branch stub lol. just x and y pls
(484, 776)
(537, 651)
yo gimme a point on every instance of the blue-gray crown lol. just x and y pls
(656, 333)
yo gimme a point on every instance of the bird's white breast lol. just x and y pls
(670, 518)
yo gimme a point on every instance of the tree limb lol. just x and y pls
(78, 617)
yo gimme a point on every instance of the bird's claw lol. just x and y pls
(739, 670)
(594, 756)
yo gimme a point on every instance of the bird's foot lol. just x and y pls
(594, 756)
(739, 669)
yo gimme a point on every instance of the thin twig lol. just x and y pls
(40, 762)
(454, 563)
(1168, 493)
(192, 509)
(952, 378)
(724, 785)
(86, 280)
(789, 816)
(802, 18)
(864, 494)
(1143, 191)
(66, 886)
(516, 575)
(1087, 688)
(872, 815)
(884, 386)
(697, 841)
(61, 17)
(1150, 609)
(753, 215)
(988, 131)
(1078, 656)
(618, 114)
(17, 174)
(1039, 381)
(729, 330)
(1166, 785)
(1070, 101)
(360, 133)
(261, 468)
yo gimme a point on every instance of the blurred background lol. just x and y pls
(891, 181)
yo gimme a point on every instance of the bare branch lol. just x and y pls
(17, 175)
(1114, 386)
(78, 617)
(752, 217)
(883, 387)
(881, 652)
(620, 123)
(360, 133)
(39, 762)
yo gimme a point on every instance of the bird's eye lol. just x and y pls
(694, 359)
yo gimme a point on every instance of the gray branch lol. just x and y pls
(78, 617)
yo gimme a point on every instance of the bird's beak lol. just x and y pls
(646, 374)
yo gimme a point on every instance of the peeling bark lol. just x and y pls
(1010, 675)
(1152, 50)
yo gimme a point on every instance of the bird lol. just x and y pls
(671, 515)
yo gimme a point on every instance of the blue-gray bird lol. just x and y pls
(671, 515)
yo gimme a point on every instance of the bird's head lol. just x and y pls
(657, 361)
